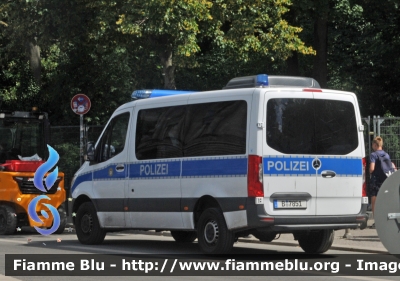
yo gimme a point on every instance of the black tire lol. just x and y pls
(184, 236)
(364, 224)
(317, 242)
(264, 236)
(8, 220)
(87, 225)
(63, 221)
(213, 235)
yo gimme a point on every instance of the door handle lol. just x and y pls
(120, 168)
(328, 174)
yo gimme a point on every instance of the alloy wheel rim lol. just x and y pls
(87, 223)
(211, 232)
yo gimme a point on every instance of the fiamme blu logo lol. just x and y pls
(38, 181)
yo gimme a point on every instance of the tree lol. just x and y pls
(174, 29)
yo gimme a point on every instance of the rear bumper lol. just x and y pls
(257, 218)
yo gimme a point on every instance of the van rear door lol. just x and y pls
(289, 176)
(339, 147)
(312, 153)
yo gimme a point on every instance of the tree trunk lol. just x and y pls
(168, 69)
(293, 65)
(33, 52)
(320, 69)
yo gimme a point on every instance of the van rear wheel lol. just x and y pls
(8, 220)
(317, 242)
(213, 235)
(184, 236)
(87, 225)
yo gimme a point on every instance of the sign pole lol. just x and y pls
(81, 139)
(80, 104)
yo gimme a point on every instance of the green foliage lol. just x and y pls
(69, 159)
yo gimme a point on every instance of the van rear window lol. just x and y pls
(311, 126)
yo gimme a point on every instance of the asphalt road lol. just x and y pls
(125, 243)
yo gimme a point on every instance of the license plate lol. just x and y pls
(290, 204)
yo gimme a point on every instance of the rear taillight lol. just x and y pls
(364, 182)
(254, 177)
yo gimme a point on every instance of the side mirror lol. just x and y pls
(89, 151)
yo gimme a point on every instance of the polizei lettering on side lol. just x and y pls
(153, 169)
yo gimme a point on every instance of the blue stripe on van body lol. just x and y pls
(342, 166)
(80, 179)
(219, 167)
(199, 167)
(302, 166)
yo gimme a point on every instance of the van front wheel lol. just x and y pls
(316, 242)
(87, 225)
(213, 235)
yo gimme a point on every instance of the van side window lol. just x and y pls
(113, 140)
(159, 132)
(217, 128)
(311, 126)
(206, 129)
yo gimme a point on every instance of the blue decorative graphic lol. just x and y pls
(44, 168)
(49, 181)
(32, 213)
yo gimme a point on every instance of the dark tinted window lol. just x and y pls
(217, 128)
(206, 129)
(159, 132)
(308, 126)
(335, 127)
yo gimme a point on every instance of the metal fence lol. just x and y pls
(389, 129)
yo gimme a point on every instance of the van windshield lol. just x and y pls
(311, 126)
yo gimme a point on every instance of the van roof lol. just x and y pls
(260, 80)
(263, 80)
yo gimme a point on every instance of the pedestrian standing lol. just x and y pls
(380, 168)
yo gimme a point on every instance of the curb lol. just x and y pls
(333, 247)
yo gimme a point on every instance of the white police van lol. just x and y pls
(265, 155)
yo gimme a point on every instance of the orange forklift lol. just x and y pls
(23, 148)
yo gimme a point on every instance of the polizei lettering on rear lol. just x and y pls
(290, 165)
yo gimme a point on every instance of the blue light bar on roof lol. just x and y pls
(262, 80)
(144, 94)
